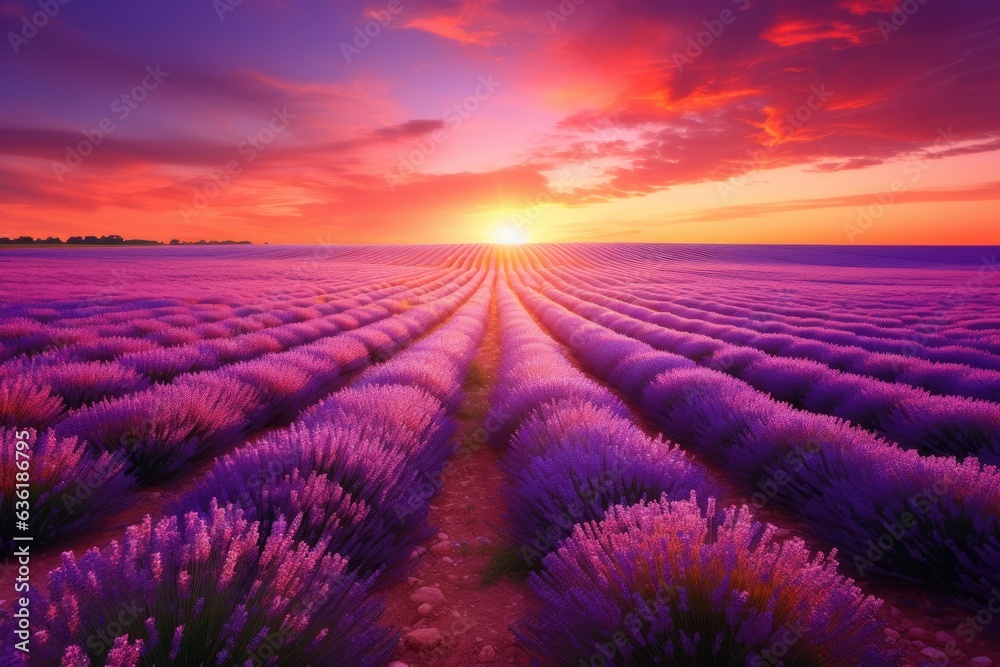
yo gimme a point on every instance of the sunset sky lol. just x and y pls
(733, 121)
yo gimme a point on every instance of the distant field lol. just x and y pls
(574, 454)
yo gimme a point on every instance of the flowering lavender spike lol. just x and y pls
(659, 583)
(69, 486)
(216, 596)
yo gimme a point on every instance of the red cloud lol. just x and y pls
(795, 32)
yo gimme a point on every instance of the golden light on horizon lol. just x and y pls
(510, 233)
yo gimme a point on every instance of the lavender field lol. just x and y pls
(558, 455)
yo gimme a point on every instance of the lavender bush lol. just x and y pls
(199, 590)
(69, 487)
(569, 463)
(160, 430)
(659, 583)
(23, 404)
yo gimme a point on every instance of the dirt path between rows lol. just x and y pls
(465, 622)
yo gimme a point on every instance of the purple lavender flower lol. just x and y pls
(658, 583)
(162, 429)
(24, 404)
(569, 463)
(201, 590)
(70, 487)
(84, 383)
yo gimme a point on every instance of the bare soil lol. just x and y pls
(467, 513)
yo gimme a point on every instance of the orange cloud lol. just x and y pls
(451, 27)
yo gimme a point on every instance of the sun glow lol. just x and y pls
(510, 234)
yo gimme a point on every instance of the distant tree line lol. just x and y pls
(112, 239)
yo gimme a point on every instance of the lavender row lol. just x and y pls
(867, 302)
(946, 314)
(892, 512)
(264, 328)
(570, 448)
(155, 325)
(936, 377)
(165, 427)
(284, 541)
(157, 433)
(354, 467)
(164, 365)
(162, 282)
(68, 486)
(36, 396)
(671, 583)
(204, 590)
(942, 425)
(612, 587)
(907, 341)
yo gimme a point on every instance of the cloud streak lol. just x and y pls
(648, 99)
